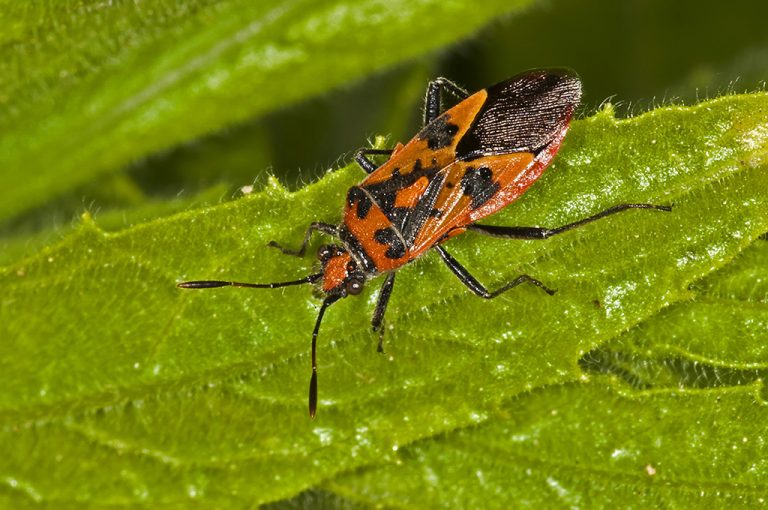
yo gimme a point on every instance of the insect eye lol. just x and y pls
(324, 253)
(355, 286)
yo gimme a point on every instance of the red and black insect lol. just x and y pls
(466, 163)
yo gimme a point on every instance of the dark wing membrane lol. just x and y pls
(522, 114)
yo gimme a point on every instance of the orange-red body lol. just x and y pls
(432, 187)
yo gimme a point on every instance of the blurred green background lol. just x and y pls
(635, 53)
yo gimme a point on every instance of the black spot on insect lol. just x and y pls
(385, 193)
(357, 195)
(439, 133)
(435, 213)
(389, 237)
(355, 247)
(449, 185)
(478, 184)
(399, 216)
(386, 201)
(421, 211)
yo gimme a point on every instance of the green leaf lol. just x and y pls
(120, 389)
(15, 248)
(686, 432)
(585, 445)
(713, 340)
(138, 78)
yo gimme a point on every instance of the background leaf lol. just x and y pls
(141, 78)
(586, 445)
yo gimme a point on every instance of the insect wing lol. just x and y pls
(512, 139)
(522, 114)
(474, 189)
(471, 161)
(404, 190)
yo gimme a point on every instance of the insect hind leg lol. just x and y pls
(365, 163)
(381, 307)
(545, 233)
(433, 103)
(478, 288)
(317, 226)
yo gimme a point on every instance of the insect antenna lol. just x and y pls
(328, 301)
(313, 381)
(211, 284)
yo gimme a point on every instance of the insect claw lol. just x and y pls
(313, 394)
(380, 345)
(286, 251)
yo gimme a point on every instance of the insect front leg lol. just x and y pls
(544, 233)
(365, 163)
(381, 308)
(475, 286)
(433, 103)
(316, 226)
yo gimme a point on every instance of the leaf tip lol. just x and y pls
(607, 110)
(275, 186)
(87, 218)
(380, 142)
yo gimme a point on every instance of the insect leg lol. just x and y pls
(477, 287)
(365, 163)
(319, 226)
(544, 233)
(433, 101)
(381, 307)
